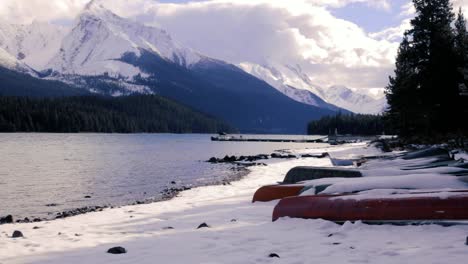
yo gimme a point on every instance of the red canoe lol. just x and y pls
(398, 209)
(276, 192)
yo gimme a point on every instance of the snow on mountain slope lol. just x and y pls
(100, 38)
(7, 61)
(294, 83)
(34, 44)
(354, 101)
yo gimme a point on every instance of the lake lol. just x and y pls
(37, 170)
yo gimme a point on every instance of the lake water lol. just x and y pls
(42, 169)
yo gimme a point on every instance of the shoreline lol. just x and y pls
(167, 194)
(238, 231)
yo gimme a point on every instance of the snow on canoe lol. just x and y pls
(432, 207)
(291, 187)
(304, 173)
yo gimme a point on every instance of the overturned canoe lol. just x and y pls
(276, 192)
(406, 208)
(439, 153)
(304, 173)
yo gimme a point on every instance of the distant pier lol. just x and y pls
(279, 140)
(332, 139)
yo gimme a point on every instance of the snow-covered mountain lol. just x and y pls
(108, 54)
(293, 82)
(34, 44)
(355, 101)
(100, 39)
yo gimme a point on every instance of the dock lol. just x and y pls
(332, 139)
(278, 140)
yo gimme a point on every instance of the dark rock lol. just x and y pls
(173, 182)
(78, 235)
(36, 227)
(213, 160)
(204, 225)
(51, 205)
(87, 197)
(17, 234)
(234, 220)
(35, 220)
(7, 220)
(330, 235)
(117, 250)
(168, 228)
(273, 255)
(336, 243)
(466, 243)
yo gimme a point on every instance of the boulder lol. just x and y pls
(17, 234)
(203, 225)
(7, 219)
(117, 250)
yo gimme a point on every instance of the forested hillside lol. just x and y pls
(350, 124)
(132, 114)
(13, 83)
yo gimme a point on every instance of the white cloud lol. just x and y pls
(331, 50)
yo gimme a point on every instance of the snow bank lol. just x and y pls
(142, 230)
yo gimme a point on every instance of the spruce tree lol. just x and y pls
(402, 93)
(461, 48)
(424, 93)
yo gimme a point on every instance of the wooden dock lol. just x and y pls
(278, 140)
(333, 139)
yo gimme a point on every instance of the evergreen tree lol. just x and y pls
(402, 93)
(424, 94)
(461, 48)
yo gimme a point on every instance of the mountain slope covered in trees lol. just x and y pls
(354, 124)
(132, 114)
(13, 83)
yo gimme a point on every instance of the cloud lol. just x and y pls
(24, 12)
(331, 50)
(303, 32)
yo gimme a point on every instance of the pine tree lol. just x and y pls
(402, 93)
(424, 93)
(461, 48)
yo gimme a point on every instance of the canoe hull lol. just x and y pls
(343, 209)
(276, 192)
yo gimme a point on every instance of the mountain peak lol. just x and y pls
(94, 5)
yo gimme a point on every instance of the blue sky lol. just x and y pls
(367, 17)
(372, 19)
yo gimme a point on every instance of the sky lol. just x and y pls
(336, 42)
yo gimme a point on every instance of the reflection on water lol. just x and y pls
(41, 169)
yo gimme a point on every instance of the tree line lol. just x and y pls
(132, 114)
(355, 124)
(428, 95)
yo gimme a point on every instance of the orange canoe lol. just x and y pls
(275, 192)
(423, 207)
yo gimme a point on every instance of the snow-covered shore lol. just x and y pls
(143, 231)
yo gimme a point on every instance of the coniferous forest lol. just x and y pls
(350, 124)
(428, 96)
(131, 114)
